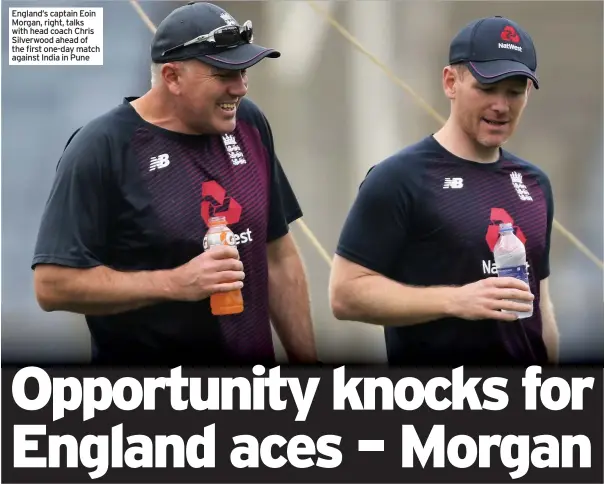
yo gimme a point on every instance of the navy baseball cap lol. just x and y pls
(210, 34)
(495, 48)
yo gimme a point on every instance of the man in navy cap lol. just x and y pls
(121, 239)
(416, 252)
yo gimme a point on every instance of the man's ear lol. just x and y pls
(171, 73)
(451, 77)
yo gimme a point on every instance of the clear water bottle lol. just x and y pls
(510, 259)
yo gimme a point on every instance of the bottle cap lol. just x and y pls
(507, 227)
(216, 221)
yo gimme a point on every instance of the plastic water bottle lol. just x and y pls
(222, 303)
(510, 258)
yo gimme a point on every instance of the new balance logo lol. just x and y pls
(453, 183)
(160, 161)
(510, 47)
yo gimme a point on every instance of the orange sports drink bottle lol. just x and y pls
(222, 303)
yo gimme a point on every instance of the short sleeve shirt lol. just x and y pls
(135, 197)
(425, 217)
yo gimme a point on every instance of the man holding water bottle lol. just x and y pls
(416, 252)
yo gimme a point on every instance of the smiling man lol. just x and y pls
(416, 251)
(121, 239)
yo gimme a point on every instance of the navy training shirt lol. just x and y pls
(134, 197)
(425, 217)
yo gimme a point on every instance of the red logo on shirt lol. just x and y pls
(216, 203)
(500, 216)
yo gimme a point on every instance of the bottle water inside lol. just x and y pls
(510, 258)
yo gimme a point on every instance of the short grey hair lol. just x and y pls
(156, 71)
(155, 74)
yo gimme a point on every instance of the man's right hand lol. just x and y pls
(216, 270)
(486, 298)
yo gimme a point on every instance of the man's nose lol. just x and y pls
(238, 88)
(501, 104)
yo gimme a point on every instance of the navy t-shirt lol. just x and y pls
(425, 217)
(134, 197)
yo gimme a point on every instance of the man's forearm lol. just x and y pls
(382, 301)
(289, 304)
(97, 291)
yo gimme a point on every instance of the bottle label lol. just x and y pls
(219, 238)
(519, 272)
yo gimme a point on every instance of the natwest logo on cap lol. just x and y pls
(501, 45)
(509, 34)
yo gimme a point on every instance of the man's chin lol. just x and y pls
(493, 141)
(225, 127)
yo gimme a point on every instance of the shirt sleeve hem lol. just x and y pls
(360, 260)
(284, 230)
(65, 261)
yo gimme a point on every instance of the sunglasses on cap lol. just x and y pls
(222, 37)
